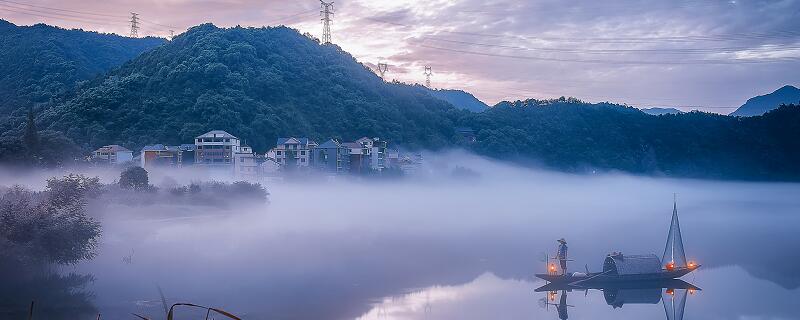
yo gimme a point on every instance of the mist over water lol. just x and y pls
(462, 239)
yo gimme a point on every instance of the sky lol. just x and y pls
(710, 55)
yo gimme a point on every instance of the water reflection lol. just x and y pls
(672, 293)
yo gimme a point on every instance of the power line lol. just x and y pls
(290, 17)
(65, 10)
(609, 51)
(59, 18)
(621, 40)
(158, 24)
(102, 20)
(629, 62)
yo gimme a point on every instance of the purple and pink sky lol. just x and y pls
(694, 54)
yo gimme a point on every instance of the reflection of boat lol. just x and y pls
(618, 267)
(671, 292)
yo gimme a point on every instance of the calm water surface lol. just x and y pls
(463, 249)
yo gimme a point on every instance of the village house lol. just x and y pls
(246, 163)
(293, 151)
(367, 154)
(112, 154)
(331, 156)
(163, 155)
(216, 148)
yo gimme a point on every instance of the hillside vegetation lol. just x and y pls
(263, 83)
(258, 83)
(40, 62)
(572, 135)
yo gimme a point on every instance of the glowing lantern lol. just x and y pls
(552, 268)
(692, 265)
(691, 291)
(670, 266)
(670, 291)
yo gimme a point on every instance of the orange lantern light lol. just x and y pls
(692, 265)
(670, 291)
(670, 266)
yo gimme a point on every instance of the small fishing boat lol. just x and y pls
(619, 267)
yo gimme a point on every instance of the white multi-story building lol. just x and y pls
(112, 154)
(216, 148)
(245, 164)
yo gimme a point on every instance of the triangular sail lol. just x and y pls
(674, 250)
(674, 303)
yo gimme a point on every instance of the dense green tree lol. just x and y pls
(134, 178)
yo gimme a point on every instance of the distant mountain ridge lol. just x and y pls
(759, 105)
(657, 111)
(460, 99)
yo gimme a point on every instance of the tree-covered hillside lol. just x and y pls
(263, 83)
(258, 83)
(460, 99)
(40, 62)
(577, 136)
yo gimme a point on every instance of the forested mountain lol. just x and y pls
(576, 136)
(759, 105)
(40, 62)
(258, 83)
(262, 83)
(460, 99)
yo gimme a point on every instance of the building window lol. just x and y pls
(277, 153)
(302, 159)
(227, 140)
(241, 159)
(227, 160)
(302, 152)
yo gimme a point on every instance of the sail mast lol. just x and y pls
(673, 252)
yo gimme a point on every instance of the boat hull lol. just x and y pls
(607, 278)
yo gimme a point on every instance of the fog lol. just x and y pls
(345, 248)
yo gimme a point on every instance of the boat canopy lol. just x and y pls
(619, 264)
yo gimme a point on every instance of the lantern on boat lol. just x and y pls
(670, 266)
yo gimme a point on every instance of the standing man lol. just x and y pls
(562, 255)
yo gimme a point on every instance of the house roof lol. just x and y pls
(302, 141)
(188, 147)
(155, 147)
(330, 144)
(217, 134)
(352, 145)
(113, 148)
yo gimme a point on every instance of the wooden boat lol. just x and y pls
(618, 267)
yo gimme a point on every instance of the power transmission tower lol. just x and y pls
(428, 73)
(326, 13)
(171, 34)
(134, 25)
(382, 68)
